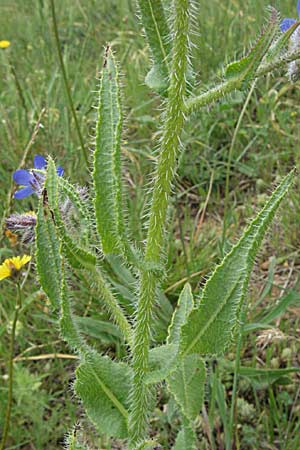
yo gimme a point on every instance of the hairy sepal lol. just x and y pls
(82, 206)
(107, 160)
(280, 44)
(210, 327)
(103, 386)
(245, 69)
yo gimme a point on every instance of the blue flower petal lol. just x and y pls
(39, 162)
(22, 177)
(286, 24)
(298, 7)
(22, 193)
(60, 171)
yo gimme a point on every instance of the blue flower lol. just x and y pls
(33, 180)
(287, 23)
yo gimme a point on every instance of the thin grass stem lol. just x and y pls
(11, 370)
(66, 83)
(229, 161)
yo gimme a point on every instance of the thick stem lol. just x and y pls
(10, 370)
(169, 152)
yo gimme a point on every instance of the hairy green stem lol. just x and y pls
(112, 305)
(169, 152)
(66, 83)
(222, 89)
(11, 370)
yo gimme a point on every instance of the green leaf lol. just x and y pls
(162, 361)
(98, 329)
(245, 68)
(186, 439)
(180, 315)
(156, 79)
(158, 36)
(211, 326)
(281, 306)
(186, 384)
(103, 386)
(48, 259)
(266, 375)
(68, 327)
(107, 159)
(281, 43)
(77, 256)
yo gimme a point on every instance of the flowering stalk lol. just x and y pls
(169, 152)
(229, 86)
(11, 368)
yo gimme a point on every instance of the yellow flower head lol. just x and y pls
(12, 265)
(4, 44)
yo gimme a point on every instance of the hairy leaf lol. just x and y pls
(98, 329)
(157, 80)
(158, 37)
(103, 386)
(186, 439)
(180, 315)
(68, 326)
(186, 384)
(107, 159)
(48, 259)
(246, 67)
(79, 200)
(281, 43)
(210, 327)
(162, 361)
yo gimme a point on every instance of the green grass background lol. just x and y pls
(266, 147)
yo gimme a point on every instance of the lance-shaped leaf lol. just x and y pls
(48, 259)
(210, 327)
(107, 159)
(186, 384)
(103, 386)
(180, 315)
(245, 68)
(157, 32)
(77, 256)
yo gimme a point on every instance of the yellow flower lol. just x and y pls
(4, 44)
(12, 265)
